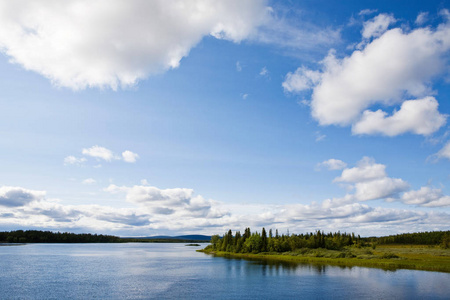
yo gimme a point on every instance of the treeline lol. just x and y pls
(257, 242)
(417, 238)
(36, 236)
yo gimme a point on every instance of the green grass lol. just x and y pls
(388, 257)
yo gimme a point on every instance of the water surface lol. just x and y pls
(175, 271)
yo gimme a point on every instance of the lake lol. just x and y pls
(176, 271)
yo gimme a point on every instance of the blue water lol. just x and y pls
(175, 271)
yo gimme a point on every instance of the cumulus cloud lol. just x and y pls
(370, 181)
(365, 170)
(79, 44)
(98, 152)
(129, 156)
(101, 153)
(395, 65)
(180, 210)
(426, 196)
(16, 196)
(333, 164)
(419, 116)
(177, 201)
(302, 79)
(381, 188)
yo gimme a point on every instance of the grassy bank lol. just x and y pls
(389, 257)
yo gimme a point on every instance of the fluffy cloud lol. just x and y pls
(179, 210)
(381, 188)
(99, 152)
(17, 196)
(102, 153)
(392, 66)
(79, 44)
(365, 170)
(370, 181)
(377, 26)
(302, 79)
(417, 116)
(333, 164)
(180, 202)
(129, 156)
(426, 196)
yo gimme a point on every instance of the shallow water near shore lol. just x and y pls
(174, 271)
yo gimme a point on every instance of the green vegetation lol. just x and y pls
(36, 236)
(421, 251)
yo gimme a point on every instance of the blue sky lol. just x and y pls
(146, 118)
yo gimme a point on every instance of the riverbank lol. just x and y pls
(388, 257)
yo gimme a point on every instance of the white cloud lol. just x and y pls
(417, 116)
(444, 152)
(393, 66)
(370, 181)
(179, 202)
(377, 26)
(99, 152)
(244, 96)
(426, 196)
(421, 18)
(333, 164)
(16, 196)
(129, 156)
(89, 181)
(179, 210)
(72, 160)
(365, 170)
(79, 44)
(381, 188)
(302, 79)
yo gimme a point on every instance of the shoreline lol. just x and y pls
(419, 259)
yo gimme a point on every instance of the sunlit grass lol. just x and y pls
(428, 258)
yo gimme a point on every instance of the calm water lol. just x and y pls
(175, 271)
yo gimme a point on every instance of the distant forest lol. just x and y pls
(248, 242)
(256, 242)
(36, 236)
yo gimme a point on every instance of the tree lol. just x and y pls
(264, 240)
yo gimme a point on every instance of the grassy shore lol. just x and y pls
(388, 257)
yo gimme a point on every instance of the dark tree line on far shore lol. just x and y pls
(37, 236)
(256, 242)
